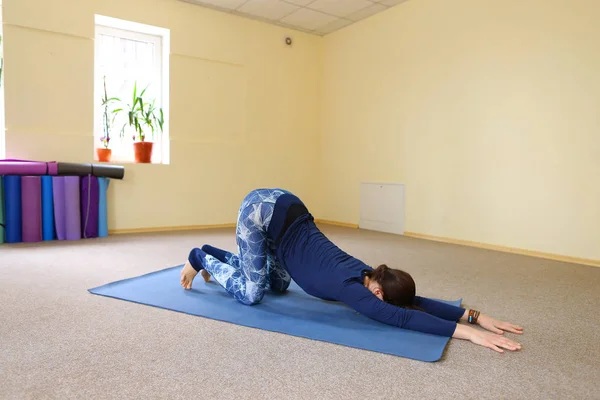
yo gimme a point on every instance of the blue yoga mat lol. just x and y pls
(13, 217)
(102, 209)
(294, 313)
(47, 209)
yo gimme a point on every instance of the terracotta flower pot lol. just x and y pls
(143, 152)
(104, 155)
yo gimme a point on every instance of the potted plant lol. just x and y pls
(105, 153)
(142, 116)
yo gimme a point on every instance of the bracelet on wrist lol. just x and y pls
(473, 316)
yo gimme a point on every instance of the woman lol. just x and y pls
(278, 241)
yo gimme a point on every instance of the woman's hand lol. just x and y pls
(485, 339)
(496, 326)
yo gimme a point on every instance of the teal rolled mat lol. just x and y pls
(2, 221)
(102, 209)
(48, 230)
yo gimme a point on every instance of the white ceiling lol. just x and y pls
(318, 17)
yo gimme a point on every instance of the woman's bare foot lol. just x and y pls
(205, 275)
(188, 273)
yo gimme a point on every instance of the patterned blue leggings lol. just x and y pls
(247, 275)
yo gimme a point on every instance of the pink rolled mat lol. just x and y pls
(31, 205)
(58, 197)
(67, 209)
(90, 199)
(26, 167)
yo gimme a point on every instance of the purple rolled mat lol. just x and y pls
(72, 208)
(90, 199)
(58, 197)
(27, 167)
(31, 206)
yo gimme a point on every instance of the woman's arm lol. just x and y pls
(440, 309)
(362, 300)
(453, 313)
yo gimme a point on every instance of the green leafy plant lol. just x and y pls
(107, 122)
(141, 114)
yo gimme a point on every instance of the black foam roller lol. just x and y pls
(108, 171)
(98, 170)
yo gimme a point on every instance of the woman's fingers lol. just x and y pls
(496, 330)
(513, 329)
(495, 348)
(509, 346)
(516, 329)
(510, 327)
(507, 343)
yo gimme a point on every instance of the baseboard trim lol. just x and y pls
(169, 229)
(505, 249)
(204, 227)
(487, 246)
(335, 223)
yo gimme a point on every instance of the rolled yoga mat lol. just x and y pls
(47, 209)
(72, 208)
(103, 184)
(12, 204)
(90, 207)
(31, 205)
(26, 167)
(99, 170)
(294, 313)
(58, 200)
(67, 209)
(2, 221)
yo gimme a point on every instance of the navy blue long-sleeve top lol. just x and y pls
(323, 270)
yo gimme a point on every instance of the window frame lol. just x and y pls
(137, 32)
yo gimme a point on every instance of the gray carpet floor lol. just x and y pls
(57, 341)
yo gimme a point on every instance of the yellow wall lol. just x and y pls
(49, 52)
(488, 111)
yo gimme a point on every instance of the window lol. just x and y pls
(131, 58)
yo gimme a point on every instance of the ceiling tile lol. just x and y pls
(390, 3)
(308, 19)
(333, 26)
(299, 2)
(268, 9)
(224, 4)
(366, 12)
(340, 8)
(314, 16)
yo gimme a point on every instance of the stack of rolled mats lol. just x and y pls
(42, 201)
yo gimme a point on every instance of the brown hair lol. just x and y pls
(398, 286)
